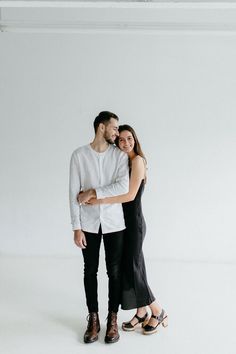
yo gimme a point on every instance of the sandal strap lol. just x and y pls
(141, 319)
(160, 317)
(156, 317)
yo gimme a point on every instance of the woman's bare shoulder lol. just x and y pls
(137, 159)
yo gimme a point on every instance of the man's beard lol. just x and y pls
(108, 139)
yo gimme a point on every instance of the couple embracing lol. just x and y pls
(107, 179)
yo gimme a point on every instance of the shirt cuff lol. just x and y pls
(99, 193)
(76, 225)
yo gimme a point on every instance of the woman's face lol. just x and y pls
(126, 141)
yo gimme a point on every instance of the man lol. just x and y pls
(99, 170)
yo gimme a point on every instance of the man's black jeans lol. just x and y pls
(113, 245)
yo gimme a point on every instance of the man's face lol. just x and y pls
(111, 131)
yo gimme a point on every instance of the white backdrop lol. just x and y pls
(178, 91)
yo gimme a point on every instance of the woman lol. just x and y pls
(135, 290)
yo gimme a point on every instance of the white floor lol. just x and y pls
(42, 308)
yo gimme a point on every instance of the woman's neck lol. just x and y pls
(132, 155)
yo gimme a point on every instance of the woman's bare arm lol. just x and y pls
(137, 174)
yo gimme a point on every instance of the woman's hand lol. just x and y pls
(93, 201)
(84, 196)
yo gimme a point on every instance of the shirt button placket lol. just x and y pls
(100, 184)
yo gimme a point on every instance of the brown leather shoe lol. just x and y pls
(93, 328)
(112, 334)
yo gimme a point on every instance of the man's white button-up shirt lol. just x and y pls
(107, 173)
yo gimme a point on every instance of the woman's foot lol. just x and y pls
(155, 321)
(134, 322)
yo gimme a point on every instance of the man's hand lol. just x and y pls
(84, 197)
(80, 239)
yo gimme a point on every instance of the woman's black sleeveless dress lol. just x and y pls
(135, 290)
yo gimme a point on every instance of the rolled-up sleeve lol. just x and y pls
(121, 184)
(74, 188)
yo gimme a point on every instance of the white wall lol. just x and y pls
(177, 90)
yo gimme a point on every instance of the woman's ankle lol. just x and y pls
(141, 311)
(155, 309)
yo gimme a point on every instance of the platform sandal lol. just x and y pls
(161, 319)
(128, 326)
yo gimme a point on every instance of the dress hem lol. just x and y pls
(131, 307)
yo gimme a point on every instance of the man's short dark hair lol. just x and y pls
(104, 118)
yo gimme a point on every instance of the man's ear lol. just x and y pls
(101, 127)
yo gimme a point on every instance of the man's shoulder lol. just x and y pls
(117, 151)
(80, 150)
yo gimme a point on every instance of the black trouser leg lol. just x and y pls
(113, 244)
(91, 262)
